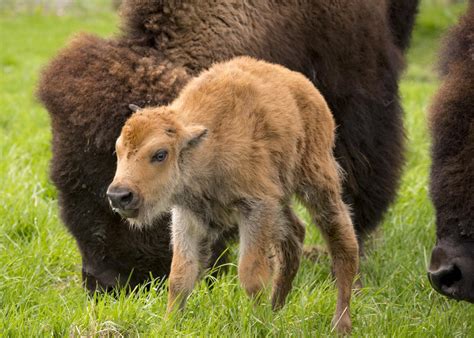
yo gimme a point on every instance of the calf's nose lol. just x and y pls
(121, 197)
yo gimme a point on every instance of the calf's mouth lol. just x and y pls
(129, 213)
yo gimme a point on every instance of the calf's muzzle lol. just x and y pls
(123, 200)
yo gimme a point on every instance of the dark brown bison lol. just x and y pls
(451, 270)
(351, 52)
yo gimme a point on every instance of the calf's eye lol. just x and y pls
(160, 156)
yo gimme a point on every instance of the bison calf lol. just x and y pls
(233, 148)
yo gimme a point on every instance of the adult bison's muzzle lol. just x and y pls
(124, 201)
(103, 280)
(451, 270)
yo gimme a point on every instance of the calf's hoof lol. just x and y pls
(342, 324)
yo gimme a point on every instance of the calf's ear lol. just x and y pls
(193, 135)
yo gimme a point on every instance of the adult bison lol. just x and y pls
(352, 52)
(451, 270)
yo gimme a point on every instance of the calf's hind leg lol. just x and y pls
(320, 192)
(255, 267)
(288, 248)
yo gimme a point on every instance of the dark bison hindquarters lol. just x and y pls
(451, 270)
(350, 56)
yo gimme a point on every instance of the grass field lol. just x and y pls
(40, 287)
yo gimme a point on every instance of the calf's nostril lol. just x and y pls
(126, 198)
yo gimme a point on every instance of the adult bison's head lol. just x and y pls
(150, 151)
(451, 270)
(451, 117)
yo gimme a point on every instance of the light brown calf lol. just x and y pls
(234, 147)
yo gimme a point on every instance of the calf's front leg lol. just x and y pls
(190, 255)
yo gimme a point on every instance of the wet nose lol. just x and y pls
(121, 197)
(445, 279)
(444, 275)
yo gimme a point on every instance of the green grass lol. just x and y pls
(40, 288)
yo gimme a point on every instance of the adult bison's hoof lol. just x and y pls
(452, 274)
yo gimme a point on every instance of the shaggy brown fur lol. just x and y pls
(238, 142)
(348, 51)
(451, 269)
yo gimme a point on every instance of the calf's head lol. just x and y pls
(150, 152)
